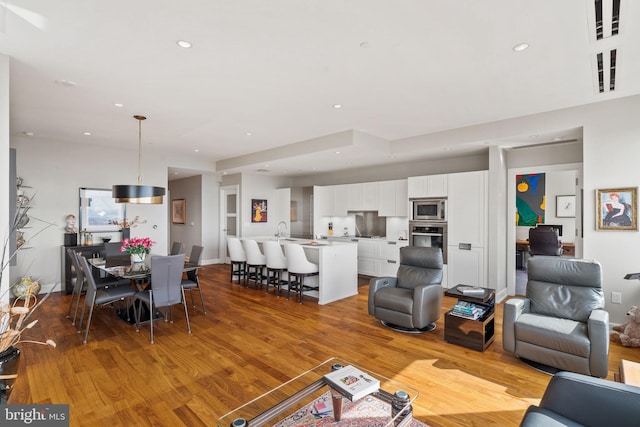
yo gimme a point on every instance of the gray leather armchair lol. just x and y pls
(579, 400)
(412, 301)
(562, 322)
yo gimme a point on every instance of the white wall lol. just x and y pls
(260, 187)
(4, 166)
(57, 170)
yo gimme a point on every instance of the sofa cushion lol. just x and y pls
(396, 299)
(564, 335)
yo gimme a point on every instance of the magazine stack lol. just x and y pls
(468, 310)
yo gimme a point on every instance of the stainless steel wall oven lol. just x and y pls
(429, 234)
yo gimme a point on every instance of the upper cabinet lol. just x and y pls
(392, 198)
(333, 200)
(467, 208)
(428, 186)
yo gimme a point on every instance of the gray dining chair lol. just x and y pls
(191, 283)
(176, 248)
(95, 296)
(80, 284)
(114, 256)
(165, 290)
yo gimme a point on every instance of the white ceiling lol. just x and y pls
(274, 69)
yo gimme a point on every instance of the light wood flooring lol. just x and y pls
(249, 342)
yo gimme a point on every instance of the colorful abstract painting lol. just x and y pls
(530, 199)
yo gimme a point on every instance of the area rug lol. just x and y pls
(366, 412)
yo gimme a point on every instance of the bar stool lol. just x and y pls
(298, 267)
(276, 265)
(238, 259)
(256, 262)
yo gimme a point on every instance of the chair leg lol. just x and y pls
(186, 312)
(151, 316)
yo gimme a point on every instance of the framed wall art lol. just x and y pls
(566, 206)
(530, 199)
(98, 210)
(258, 210)
(178, 211)
(617, 209)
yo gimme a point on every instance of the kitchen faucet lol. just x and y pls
(278, 232)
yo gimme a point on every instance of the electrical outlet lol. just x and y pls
(616, 297)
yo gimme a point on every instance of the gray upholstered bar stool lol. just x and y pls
(256, 262)
(238, 259)
(276, 265)
(299, 267)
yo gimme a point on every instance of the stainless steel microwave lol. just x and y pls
(429, 209)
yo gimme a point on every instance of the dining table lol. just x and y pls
(140, 276)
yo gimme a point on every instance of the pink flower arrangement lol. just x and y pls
(137, 245)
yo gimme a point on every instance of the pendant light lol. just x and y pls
(146, 194)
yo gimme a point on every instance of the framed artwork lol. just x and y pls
(566, 206)
(530, 199)
(258, 210)
(178, 211)
(98, 210)
(617, 209)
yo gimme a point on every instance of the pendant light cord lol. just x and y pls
(139, 119)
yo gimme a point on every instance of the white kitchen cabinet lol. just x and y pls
(355, 197)
(379, 257)
(467, 208)
(466, 266)
(333, 200)
(467, 228)
(370, 196)
(428, 186)
(392, 198)
(390, 257)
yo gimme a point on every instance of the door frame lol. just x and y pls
(224, 192)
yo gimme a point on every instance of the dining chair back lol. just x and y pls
(95, 296)
(176, 248)
(192, 283)
(276, 265)
(79, 285)
(165, 291)
(114, 256)
(238, 258)
(256, 262)
(299, 267)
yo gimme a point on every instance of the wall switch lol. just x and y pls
(616, 297)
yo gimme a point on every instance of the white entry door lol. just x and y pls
(229, 224)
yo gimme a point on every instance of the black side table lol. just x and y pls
(475, 334)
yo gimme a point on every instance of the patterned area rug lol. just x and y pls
(366, 412)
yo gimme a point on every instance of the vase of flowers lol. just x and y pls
(138, 248)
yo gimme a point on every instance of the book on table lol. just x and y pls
(470, 290)
(352, 383)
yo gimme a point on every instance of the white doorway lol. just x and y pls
(229, 217)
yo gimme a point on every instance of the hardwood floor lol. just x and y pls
(249, 342)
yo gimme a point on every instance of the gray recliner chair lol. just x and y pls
(412, 301)
(578, 400)
(562, 322)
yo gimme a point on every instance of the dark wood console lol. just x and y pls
(67, 271)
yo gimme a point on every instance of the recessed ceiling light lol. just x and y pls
(224, 173)
(184, 44)
(117, 104)
(557, 139)
(28, 133)
(176, 173)
(533, 136)
(248, 134)
(196, 150)
(337, 152)
(266, 166)
(520, 47)
(336, 106)
(87, 133)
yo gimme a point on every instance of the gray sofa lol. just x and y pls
(579, 400)
(562, 322)
(411, 301)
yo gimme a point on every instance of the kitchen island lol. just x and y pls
(337, 264)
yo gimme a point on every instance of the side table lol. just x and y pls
(475, 334)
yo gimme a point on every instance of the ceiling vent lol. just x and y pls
(606, 71)
(607, 14)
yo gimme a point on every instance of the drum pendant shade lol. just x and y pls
(139, 193)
